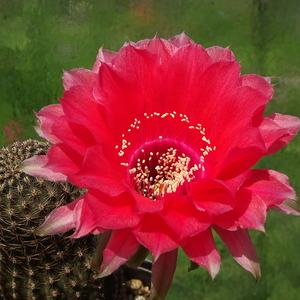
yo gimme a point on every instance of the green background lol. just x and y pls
(41, 38)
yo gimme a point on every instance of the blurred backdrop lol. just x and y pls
(41, 38)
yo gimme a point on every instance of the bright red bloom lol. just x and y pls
(163, 135)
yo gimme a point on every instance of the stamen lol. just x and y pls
(163, 164)
(171, 171)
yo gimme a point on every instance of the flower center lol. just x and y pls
(162, 152)
(163, 166)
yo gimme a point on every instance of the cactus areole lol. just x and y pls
(163, 135)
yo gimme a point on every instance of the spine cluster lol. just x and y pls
(49, 267)
(33, 267)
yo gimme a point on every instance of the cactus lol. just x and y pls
(50, 267)
(33, 267)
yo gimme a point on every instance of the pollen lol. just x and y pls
(162, 152)
(166, 174)
(121, 153)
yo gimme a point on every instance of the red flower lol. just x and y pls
(163, 135)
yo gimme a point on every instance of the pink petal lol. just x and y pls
(278, 130)
(62, 159)
(160, 47)
(155, 235)
(78, 77)
(217, 53)
(103, 56)
(130, 85)
(210, 88)
(241, 248)
(271, 186)
(123, 92)
(235, 183)
(259, 83)
(180, 40)
(143, 205)
(189, 74)
(36, 166)
(64, 131)
(234, 115)
(47, 116)
(112, 212)
(211, 195)
(99, 173)
(249, 212)
(237, 161)
(163, 270)
(246, 149)
(183, 218)
(121, 246)
(202, 250)
(86, 128)
(289, 207)
(83, 219)
(60, 220)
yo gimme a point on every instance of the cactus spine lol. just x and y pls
(33, 267)
(50, 267)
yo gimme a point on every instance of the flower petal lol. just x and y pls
(143, 205)
(271, 186)
(202, 250)
(36, 166)
(60, 220)
(210, 87)
(211, 195)
(103, 56)
(155, 235)
(241, 248)
(47, 116)
(86, 128)
(217, 53)
(99, 173)
(183, 217)
(65, 132)
(121, 246)
(235, 115)
(245, 151)
(289, 207)
(162, 274)
(122, 91)
(180, 40)
(161, 48)
(235, 183)
(50, 167)
(258, 83)
(83, 219)
(249, 212)
(78, 77)
(112, 212)
(278, 130)
(187, 74)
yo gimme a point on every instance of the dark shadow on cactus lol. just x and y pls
(50, 267)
